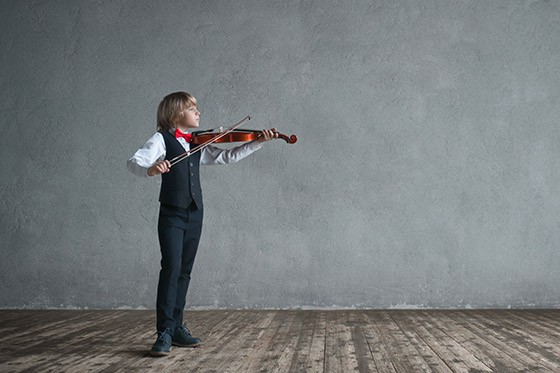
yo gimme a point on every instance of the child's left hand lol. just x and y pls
(267, 135)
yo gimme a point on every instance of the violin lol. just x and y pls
(236, 135)
(204, 138)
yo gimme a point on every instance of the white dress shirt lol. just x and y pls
(154, 151)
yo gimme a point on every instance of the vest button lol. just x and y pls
(192, 164)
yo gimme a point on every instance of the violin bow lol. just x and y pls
(198, 148)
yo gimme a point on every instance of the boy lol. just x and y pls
(181, 209)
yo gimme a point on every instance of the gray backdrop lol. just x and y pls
(426, 173)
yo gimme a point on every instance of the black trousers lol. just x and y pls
(179, 234)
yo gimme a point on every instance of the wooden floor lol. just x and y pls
(286, 341)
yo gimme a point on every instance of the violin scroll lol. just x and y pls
(290, 140)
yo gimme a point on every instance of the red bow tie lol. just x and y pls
(186, 136)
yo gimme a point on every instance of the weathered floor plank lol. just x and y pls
(489, 325)
(407, 324)
(285, 341)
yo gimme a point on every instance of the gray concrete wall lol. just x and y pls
(426, 174)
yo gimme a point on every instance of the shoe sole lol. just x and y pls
(192, 345)
(159, 353)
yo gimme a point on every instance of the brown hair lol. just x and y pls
(171, 107)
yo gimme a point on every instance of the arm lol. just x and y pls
(149, 160)
(212, 155)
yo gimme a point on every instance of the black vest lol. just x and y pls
(181, 185)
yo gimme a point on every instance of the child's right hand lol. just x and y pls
(159, 168)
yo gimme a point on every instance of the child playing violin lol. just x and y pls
(181, 209)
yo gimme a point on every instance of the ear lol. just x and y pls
(173, 120)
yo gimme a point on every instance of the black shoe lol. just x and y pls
(162, 347)
(183, 338)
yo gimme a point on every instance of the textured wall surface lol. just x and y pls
(426, 174)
